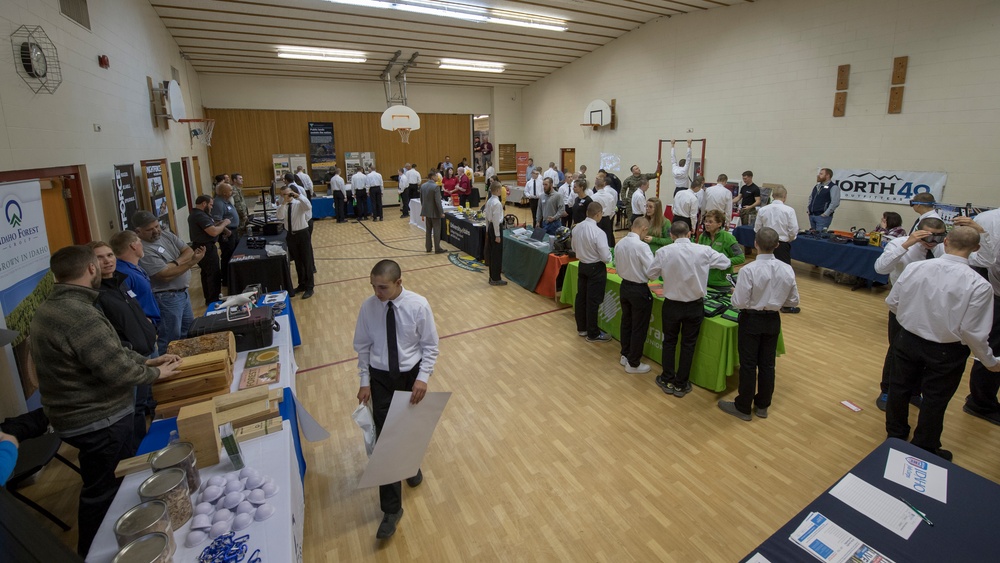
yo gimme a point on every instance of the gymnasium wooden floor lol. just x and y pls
(549, 451)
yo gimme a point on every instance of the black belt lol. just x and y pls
(171, 291)
(627, 282)
(298, 231)
(757, 312)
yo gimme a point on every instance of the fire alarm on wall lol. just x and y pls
(103, 61)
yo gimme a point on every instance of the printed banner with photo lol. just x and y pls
(24, 263)
(355, 159)
(322, 150)
(158, 194)
(889, 186)
(125, 194)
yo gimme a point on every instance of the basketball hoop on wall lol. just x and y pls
(600, 114)
(200, 129)
(401, 119)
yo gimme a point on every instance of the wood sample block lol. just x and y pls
(839, 104)
(203, 344)
(248, 414)
(197, 424)
(250, 432)
(132, 465)
(174, 389)
(240, 398)
(896, 99)
(843, 76)
(899, 65)
(172, 408)
(274, 425)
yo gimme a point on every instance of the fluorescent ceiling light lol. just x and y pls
(466, 12)
(474, 66)
(484, 116)
(319, 54)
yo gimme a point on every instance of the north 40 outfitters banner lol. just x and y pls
(888, 186)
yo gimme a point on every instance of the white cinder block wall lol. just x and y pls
(48, 130)
(758, 81)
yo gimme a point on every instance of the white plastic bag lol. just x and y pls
(363, 417)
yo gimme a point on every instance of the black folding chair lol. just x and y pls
(32, 456)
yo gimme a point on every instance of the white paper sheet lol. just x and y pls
(828, 542)
(404, 438)
(877, 504)
(758, 558)
(917, 475)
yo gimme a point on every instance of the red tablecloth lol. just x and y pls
(547, 283)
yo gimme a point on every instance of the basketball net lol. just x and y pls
(200, 129)
(404, 134)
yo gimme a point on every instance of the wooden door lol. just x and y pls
(185, 172)
(197, 175)
(568, 160)
(58, 225)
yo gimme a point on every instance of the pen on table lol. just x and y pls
(919, 513)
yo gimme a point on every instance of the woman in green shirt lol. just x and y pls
(659, 226)
(723, 241)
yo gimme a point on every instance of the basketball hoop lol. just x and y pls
(404, 134)
(402, 119)
(200, 129)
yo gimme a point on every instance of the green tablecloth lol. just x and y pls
(715, 356)
(523, 264)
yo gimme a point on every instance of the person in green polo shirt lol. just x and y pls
(722, 241)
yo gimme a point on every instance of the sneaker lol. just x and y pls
(761, 413)
(388, 526)
(581, 333)
(641, 368)
(498, 282)
(661, 382)
(881, 401)
(416, 479)
(680, 391)
(623, 361)
(729, 407)
(993, 417)
(602, 337)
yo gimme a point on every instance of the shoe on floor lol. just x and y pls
(729, 407)
(681, 391)
(299, 289)
(581, 333)
(416, 479)
(601, 337)
(641, 368)
(498, 282)
(792, 310)
(440, 251)
(662, 383)
(881, 401)
(993, 417)
(761, 413)
(623, 361)
(388, 526)
(943, 454)
(307, 294)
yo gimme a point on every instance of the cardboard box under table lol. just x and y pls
(716, 354)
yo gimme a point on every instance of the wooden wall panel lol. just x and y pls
(244, 140)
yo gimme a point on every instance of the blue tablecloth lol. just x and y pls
(847, 258)
(323, 207)
(963, 527)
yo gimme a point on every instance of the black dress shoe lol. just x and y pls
(416, 479)
(388, 526)
(440, 251)
(307, 294)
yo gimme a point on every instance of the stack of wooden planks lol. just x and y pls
(206, 372)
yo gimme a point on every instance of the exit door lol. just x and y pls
(568, 160)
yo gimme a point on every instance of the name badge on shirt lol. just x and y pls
(161, 250)
(131, 293)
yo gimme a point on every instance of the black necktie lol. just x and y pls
(930, 254)
(289, 216)
(914, 227)
(390, 339)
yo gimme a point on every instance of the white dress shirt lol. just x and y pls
(590, 243)
(568, 195)
(895, 258)
(681, 177)
(490, 172)
(633, 258)
(990, 221)
(493, 212)
(946, 301)
(766, 284)
(639, 202)
(337, 184)
(684, 266)
(413, 177)
(533, 188)
(931, 213)
(553, 174)
(373, 179)
(718, 197)
(686, 204)
(359, 181)
(300, 210)
(403, 182)
(304, 180)
(416, 336)
(608, 199)
(779, 217)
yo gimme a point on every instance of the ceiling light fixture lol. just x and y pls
(467, 12)
(474, 66)
(320, 54)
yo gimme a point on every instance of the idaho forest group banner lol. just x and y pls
(888, 186)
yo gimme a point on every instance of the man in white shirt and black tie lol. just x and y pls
(359, 185)
(373, 181)
(493, 213)
(295, 212)
(339, 190)
(923, 206)
(591, 247)
(632, 261)
(397, 346)
(681, 170)
(403, 184)
(533, 191)
(763, 288)
(608, 198)
(686, 204)
(638, 203)
(947, 309)
(684, 267)
(719, 196)
(304, 180)
(780, 217)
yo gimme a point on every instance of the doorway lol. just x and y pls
(186, 174)
(567, 160)
(196, 166)
(58, 225)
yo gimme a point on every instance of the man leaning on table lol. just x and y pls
(391, 360)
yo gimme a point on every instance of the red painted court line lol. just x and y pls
(501, 323)
(366, 277)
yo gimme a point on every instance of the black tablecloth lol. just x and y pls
(272, 272)
(963, 528)
(466, 235)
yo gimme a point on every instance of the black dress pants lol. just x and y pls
(984, 384)
(226, 247)
(681, 321)
(338, 206)
(494, 250)
(933, 368)
(683, 219)
(361, 211)
(404, 206)
(784, 252)
(637, 305)
(758, 346)
(533, 206)
(432, 232)
(383, 386)
(894, 329)
(100, 452)
(608, 227)
(376, 195)
(591, 279)
(211, 274)
(300, 250)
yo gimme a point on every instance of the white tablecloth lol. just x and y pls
(279, 538)
(416, 220)
(286, 357)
